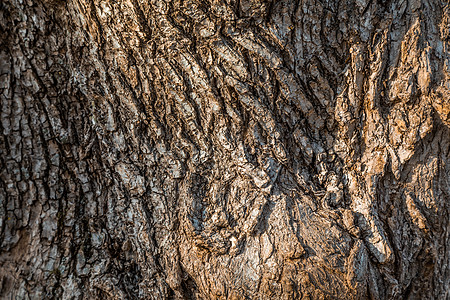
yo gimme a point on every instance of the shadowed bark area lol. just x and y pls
(223, 149)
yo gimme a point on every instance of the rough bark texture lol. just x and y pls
(224, 149)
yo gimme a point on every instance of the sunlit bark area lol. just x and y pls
(224, 149)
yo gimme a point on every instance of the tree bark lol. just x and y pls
(224, 149)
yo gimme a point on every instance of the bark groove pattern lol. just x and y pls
(224, 149)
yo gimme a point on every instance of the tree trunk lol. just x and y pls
(224, 149)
